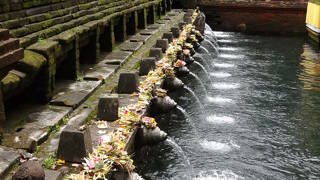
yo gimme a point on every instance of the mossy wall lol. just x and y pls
(61, 30)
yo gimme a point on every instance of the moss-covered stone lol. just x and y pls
(32, 62)
(11, 81)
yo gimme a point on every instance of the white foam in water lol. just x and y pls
(218, 146)
(230, 56)
(225, 41)
(220, 74)
(218, 175)
(229, 49)
(215, 146)
(225, 85)
(218, 99)
(223, 65)
(220, 119)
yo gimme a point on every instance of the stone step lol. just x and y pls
(8, 45)
(11, 57)
(8, 157)
(4, 34)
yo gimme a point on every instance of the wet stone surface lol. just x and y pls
(148, 31)
(162, 21)
(36, 127)
(52, 175)
(139, 38)
(8, 157)
(130, 46)
(154, 26)
(72, 94)
(118, 55)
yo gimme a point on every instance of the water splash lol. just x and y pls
(225, 85)
(218, 146)
(188, 89)
(202, 50)
(189, 120)
(211, 46)
(220, 119)
(217, 175)
(199, 81)
(231, 56)
(199, 58)
(203, 69)
(220, 74)
(223, 65)
(237, 49)
(218, 99)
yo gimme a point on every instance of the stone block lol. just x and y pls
(128, 83)
(11, 57)
(163, 44)
(156, 52)
(168, 36)
(147, 65)
(8, 45)
(175, 32)
(4, 34)
(29, 170)
(108, 108)
(8, 157)
(52, 175)
(74, 145)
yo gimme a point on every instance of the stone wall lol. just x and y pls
(255, 16)
(59, 35)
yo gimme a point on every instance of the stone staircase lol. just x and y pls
(10, 54)
(58, 38)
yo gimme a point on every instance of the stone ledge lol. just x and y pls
(8, 157)
(72, 94)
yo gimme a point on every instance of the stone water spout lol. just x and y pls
(151, 136)
(172, 84)
(199, 58)
(181, 71)
(161, 104)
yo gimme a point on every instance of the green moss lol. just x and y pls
(33, 61)
(19, 32)
(11, 81)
